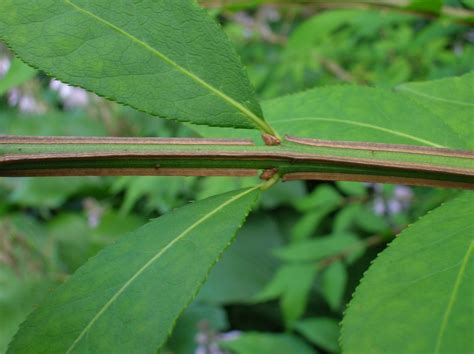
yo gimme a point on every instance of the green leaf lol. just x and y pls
(246, 266)
(52, 123)
(27, 270)
(142, 282)
(322, 331)
(333, 284)
(48, 192)
(451, 100)
(16, 75)
(260, 343)
(18, 296)
(322, 196)
(317, 205)
(433, 6)
(292, 283)
(160, 193)
(422, 284)
(196, 316)
(353, 189)
(211, 185)
(283, 194)
(346, 217)
(367, 115)
(78, 240)
(359, 114)
(307, 225)
(166, 58)
(367, 220)
(319, 248)
(468, 3)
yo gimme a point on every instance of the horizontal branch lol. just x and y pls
(453, 13)
(295, 158)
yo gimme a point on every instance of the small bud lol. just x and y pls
(270, 140)
(268, 173)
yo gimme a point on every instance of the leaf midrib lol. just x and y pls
(435, 98)
(150, 262)
(453, 297)
(365, 125)
(249, 115)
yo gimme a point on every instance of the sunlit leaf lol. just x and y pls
(451, 100)
(359, 114)
(167, 57)
(366, 115)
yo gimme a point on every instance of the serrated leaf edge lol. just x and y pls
(245, 192)
(364, 276)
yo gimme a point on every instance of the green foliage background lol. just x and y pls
(261, 292)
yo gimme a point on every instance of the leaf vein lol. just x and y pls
(452, 298)
(249, 115)
(435, 98)
(150, 262)
(365, 125)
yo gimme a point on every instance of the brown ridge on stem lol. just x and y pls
(203, 172)
(409, 149)
(8, 139)
(374, 179)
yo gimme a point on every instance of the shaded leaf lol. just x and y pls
(196, 317)
(468, 3)
(369, 221)
(159, 193)
(317, 205)
(354, 189)
(346, 217)
(322, 331)
(306, 226)
(319, 248)
(166, 58)
(49, 192)
(322, 196)
(53, 123)
(422, 284)
(283, 194)
(16, 75)
(143, 281)
(333, 284)
(18, 296)
(433, 6)
(78, 239)
(246, 266)
(259, 343)
(211, 185)
(292, 284)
